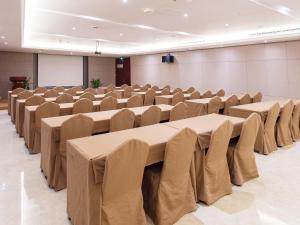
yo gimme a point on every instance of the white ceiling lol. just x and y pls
(123, 28)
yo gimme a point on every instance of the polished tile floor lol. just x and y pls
(272, 199)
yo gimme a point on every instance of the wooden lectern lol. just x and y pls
(17, 82)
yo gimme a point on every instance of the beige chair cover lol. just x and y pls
(59, 89)
(17, 91)
(168, 191)
(167, 86)
(34, 100)
(265, 141)
(64, 98)
(213, 179)
(155, 88)
(179, 112)
(83, 106)
(177, 97)
(122, 120)
(151, 116)
(77, 88)
(144, 88)
(231, 101)
(207, 94)
(127, 92)
(51, 93)
(136, 86)
(124, 86)
(195, 95)
(45, 110)
(111, 94)
(246, 99)
(165, 91)
(240, 157)
(214, 105)
(25, 94)
(90, 90)
(40, 90)
(75, 127)
(71, 91)
(284, 135)
(296, 123)
(149, 97)
(190, 90)
(122, 200)
(135, 101)
(110, 88)
(257, 97)
(87, 95)
(177, 90)
(220, 93)
(148, 86)
(108, 103)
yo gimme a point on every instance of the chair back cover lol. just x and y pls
(284, 135)
(135, 101)
(179, 112)
(190, 90)
(17, 91)
(177, 97)
(51, 93)
(246, 99)
(59, 89)
(122, 199)
(220, 93)
(165, 91)
(122, 120)
(71, 91)
(88, 95)
(257, 97)
(34, 100)
(195, 95)
(155, 88)
(83, 106)
(296, 122)
(40, 90)
(127, 92)
(207, 94)
(112, 94)
(64, 98)
(108, 103)
(214, 105)
(149, 97)
(151, 116)
(25, 94)
(177, 90)
(231, 101)
(136, 86)
(90, 90)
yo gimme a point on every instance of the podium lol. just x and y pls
(17, 81)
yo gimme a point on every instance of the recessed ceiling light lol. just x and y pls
(124, 1)
(5, 43)
(145, 27)
(148, 11)
(73, 28)
(226, 25)
(2, 37)
(121, 34)
(185, 15)
(284, 10)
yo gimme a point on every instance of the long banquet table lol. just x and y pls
(86, 159)
(50, 138)
(167, 99)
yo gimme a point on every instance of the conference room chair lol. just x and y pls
(266, 141)
(220, 93)
(155, 88)
(134, 101)
(167, 86)
(87, 95)
(240, 154)
(149, 97)
(151, 116)
(257, 97)
(110, 88)
(165, 91)
(90, 90)
(71, 91)
(17, 91)
(45, 110)
(284, 135)
(148, 86)
(295, 123)
(108, 103)
(34, 100)
(207, 94)
(111, 94)
(122, 120)
(246, 99)
(124, 86)
(64, 98)
(51, 93)
(176, 90)
(213, 178)
(77, 126)
(25, 94)
(127, 92)
(167, 187)
(214, 105)
(136, 86)
(190, 90)
(39, 90)
(59, 89)
(179, 112)
(83, 105)
(195, 95)
(77, 88)
(177, 97)
(144, 88)
(231, 101)
(121, 195)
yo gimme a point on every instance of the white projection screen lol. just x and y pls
(57, 70)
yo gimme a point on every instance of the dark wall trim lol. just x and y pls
(85, 71)
(35, 70)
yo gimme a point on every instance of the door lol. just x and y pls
(123, 74)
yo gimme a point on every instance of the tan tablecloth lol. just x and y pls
(65, 109)
(143, 93)
(167, 99)
(86, 160)
(50, 136)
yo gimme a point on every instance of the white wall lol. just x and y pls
(102, 68)
(271, 68)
